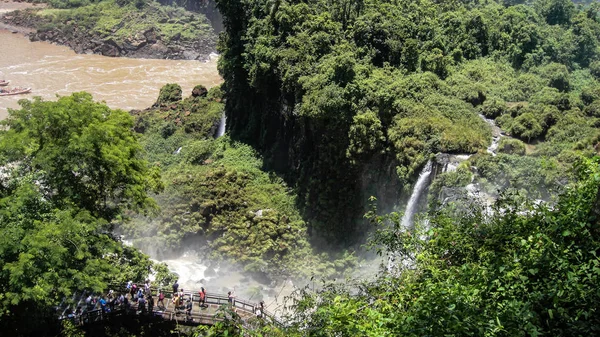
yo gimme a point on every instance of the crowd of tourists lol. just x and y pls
(140, 300)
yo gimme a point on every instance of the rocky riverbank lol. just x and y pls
(140, 41)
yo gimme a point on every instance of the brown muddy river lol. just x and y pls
(121, 82)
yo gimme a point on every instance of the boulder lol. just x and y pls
(150, 36)
(199, 91)
(190, 55)
(136, 42)
(159, 47)
(110, 48)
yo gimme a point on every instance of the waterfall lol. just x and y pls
(222, 123)
(416, 194)
(496, 134)
(392, 263)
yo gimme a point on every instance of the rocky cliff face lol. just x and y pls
(142, 44)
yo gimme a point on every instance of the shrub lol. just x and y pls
(526, 126)
(170, 93)
(593, 109)
(511, 146)
(493, 108)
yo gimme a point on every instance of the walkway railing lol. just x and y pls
(205, 315)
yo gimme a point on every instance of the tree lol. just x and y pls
(365, 135)
(556, 12)
(69, 168)
(87, 154)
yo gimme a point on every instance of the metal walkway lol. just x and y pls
(199, 315)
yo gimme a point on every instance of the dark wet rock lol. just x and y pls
(199, 91)
(110, 48)
(150, 36)
(191, 55)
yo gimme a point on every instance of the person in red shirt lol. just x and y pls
(202, 294)
(161, 300)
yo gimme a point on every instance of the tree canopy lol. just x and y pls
(82, 152)
(68, 169)
(340, 96)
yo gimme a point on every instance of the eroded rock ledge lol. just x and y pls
(142, 44)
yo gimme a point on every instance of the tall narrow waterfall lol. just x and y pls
(221, 130)
(420, 186)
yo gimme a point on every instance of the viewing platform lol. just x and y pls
(207, 314)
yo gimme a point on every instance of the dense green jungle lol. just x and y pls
(334, 108)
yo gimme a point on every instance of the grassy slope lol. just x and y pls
(109, 19)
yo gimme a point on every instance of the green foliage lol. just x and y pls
(526, 126)
(169, 93)
(449, 180)
(534, 177)
(595, 69)
(126, 21)
(86, 153)
(366, 135)
(69, 168)
(492, 109)
(216, 191)
(331, 91)
(524, 270)
(511, 146)
(555, 11)
(557, 75)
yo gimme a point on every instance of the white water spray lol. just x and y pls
(496, 135)
(394, 260)
(416, 194)
(221, 130)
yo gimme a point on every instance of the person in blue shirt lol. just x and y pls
(103, 305)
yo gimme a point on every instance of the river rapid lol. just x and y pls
(123, 83)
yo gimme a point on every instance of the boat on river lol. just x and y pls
(4, 83)
(14, 91)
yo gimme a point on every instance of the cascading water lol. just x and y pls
(407, 220)
(221, 130)
(496, 135)
(416, 194)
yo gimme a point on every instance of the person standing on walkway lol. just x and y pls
(147, 287)
(188, 310)
(176, 300)
(261, 310)
(142, 305)
(133, 292)
(181, 296)
(150, 304)
(202, 294)
(103, 305)
(175, 288)
(161, 300)
(231, 297)
(89, 302)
